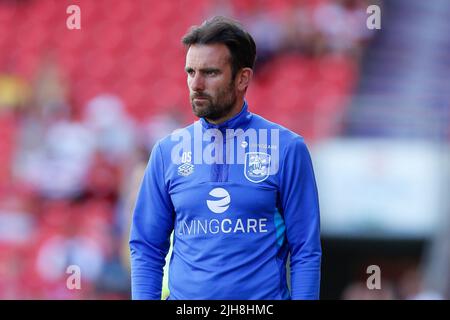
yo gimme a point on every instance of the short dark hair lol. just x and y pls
(220, 29)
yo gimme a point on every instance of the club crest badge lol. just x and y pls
(257, 166)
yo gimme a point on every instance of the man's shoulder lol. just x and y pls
(286, 135)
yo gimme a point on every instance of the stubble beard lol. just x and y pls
(214, 109)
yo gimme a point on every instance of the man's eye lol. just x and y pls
(211, 73)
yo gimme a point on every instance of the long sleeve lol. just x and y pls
(300, 206)
(152, 224)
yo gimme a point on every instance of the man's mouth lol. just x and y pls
(200, 98)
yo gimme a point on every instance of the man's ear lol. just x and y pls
(244, 77)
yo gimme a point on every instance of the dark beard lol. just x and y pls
(214, 111)
(218, 109)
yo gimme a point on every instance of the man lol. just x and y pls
(238, 191)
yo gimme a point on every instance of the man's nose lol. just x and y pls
(197, 83)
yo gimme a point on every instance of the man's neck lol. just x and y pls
(236, 109)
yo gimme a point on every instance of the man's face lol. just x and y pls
(211, 87)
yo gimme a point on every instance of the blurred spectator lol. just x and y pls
(16, 220)
(53, 151)
(159, 127)
(266, 29)
(342, 23)
(300, 34)
(112, 128)
(51, 90)
(411, 287)
(14, 92)
(359, 291)
(58, 169)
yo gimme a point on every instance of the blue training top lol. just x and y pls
(240, 197)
